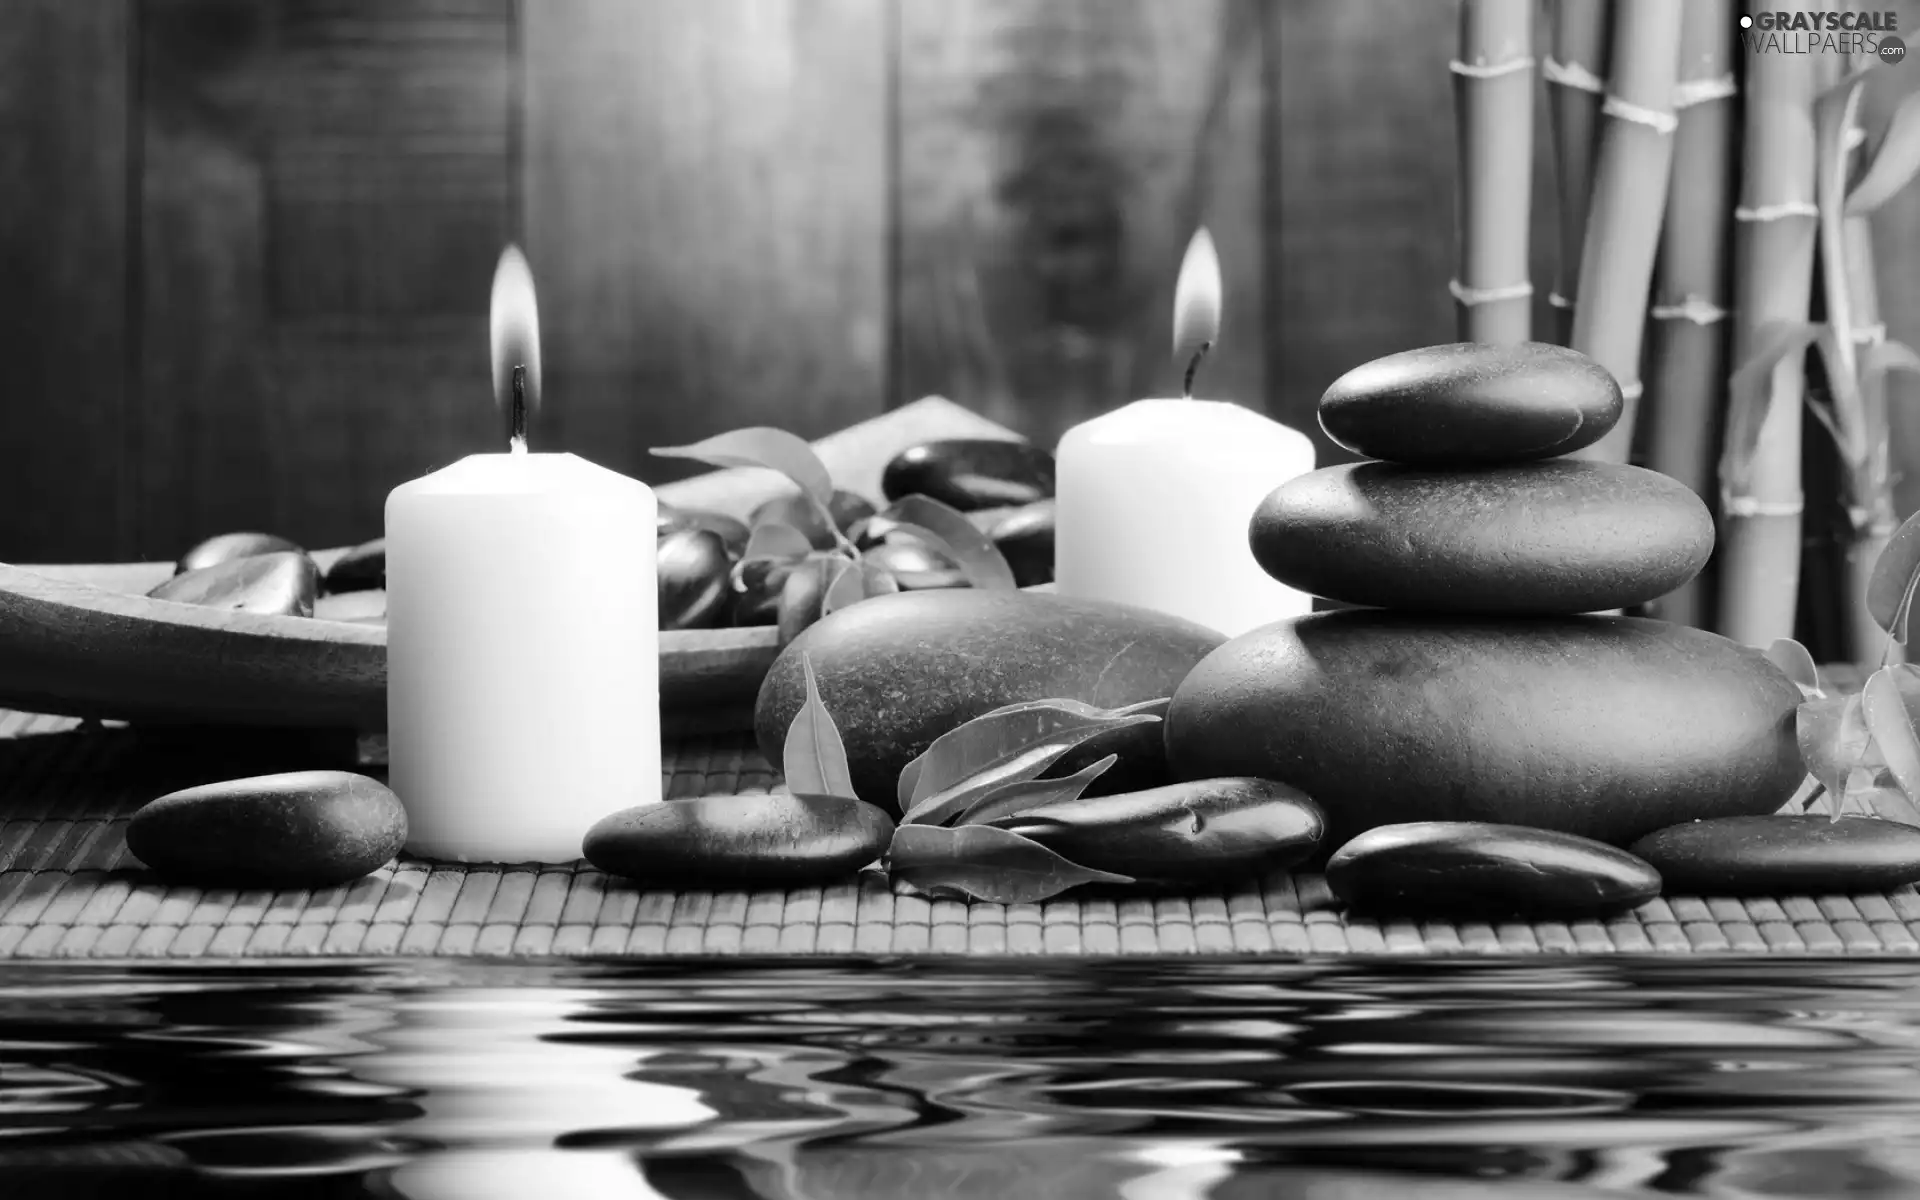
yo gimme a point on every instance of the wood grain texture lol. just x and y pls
(705, 215)
(65, 74)
(1055, 157)
(325, 187)
(1360, 139)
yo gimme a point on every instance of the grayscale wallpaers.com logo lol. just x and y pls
(1804, 32)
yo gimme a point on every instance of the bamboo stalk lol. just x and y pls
(1576, 72)
(1628, 204)
(1493, 110)
(1687, 351)
(1773, 282)
(1870, 505)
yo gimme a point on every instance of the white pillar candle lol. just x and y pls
(523, 661)
(1153, 501)
(1152, 508)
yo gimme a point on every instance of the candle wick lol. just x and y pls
(1193, 367)
(518, 435)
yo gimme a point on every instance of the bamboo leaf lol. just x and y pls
(1890, 589)
(948, 531)
(942, 806)
(814, 759)
(1884, 358)
(763, 446)
(1891, 725)
(1833, 113)
(1793, 659)
(857, 581)
(1894, 163)
(1750, 394)
(993, 739)
(981, 862)
(1028, 795)
(1834, 739)
(773, 541)
(909, 779)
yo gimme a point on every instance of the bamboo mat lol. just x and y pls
(68, 889)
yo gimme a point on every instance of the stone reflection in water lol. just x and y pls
(495, 1092)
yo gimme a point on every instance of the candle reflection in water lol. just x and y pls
(495, 1091)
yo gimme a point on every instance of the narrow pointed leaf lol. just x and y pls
(1884, 358)
(1890, 588)
(775, 541)
(1833, 739)
(993, 738)
(1750, 394)
(762, 446)
(1894, 163)
(941, 807)
(1891, 724)
(1876, 794)
(1792, 659)
(1026, 795)
(981, 862)
(857, 581)
(948, 531)
(909, 778)
(814, 759)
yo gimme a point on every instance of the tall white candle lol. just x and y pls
(523, 666)
(1154, 499)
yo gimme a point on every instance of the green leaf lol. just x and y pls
(1886, 357)
(948, 531)
(1026, 795)
(776, 542)
(1750, 395)
(857, 581)
(1894, 163)
(814, 759)
(1890, 589)
(763, 446)
(909, 779)
(981, 862)
(1890, 722)
(993, 739)
(1792, 658)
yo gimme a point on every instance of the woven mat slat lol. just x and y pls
(68, 889)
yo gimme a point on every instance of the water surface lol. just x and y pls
(922, 1080)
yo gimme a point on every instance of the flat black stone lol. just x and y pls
(695, 577)
(1467, 868)
(361, 569)
(301, 829)
(727, 842)
(1469, 404)
(230, 546)
(1548, 537)
(281, 584)
(1783, 855)
(1025, 539)
(971, 473)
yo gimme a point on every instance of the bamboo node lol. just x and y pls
(1777, 212)
(1652, 118)
(1689, 92)
(1493, 70)
(1558, 301)
(1474, 296)
(1571, 75)
(1697, 309)
(1871, 335)
(1753, 506)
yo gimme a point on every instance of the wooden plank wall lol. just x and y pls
(248, 241)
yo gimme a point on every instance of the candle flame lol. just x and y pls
(1196, 299)
(514, 328)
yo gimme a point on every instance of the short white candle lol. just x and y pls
(1153, 500)
(523, 667)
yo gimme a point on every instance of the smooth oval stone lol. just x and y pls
(725, 843)
(278, 584)
(1472, 868)
(1606, 727)
(1025, 539)
(793, 508)
(695, 577)
(1206, 829)
(1783, 855)
(302, 829)
(896, 672)
(361, 569)
(230, 546)
(732, 531)
(971, 473)
(916, 566)
(1468, 404)
(1549, 537)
